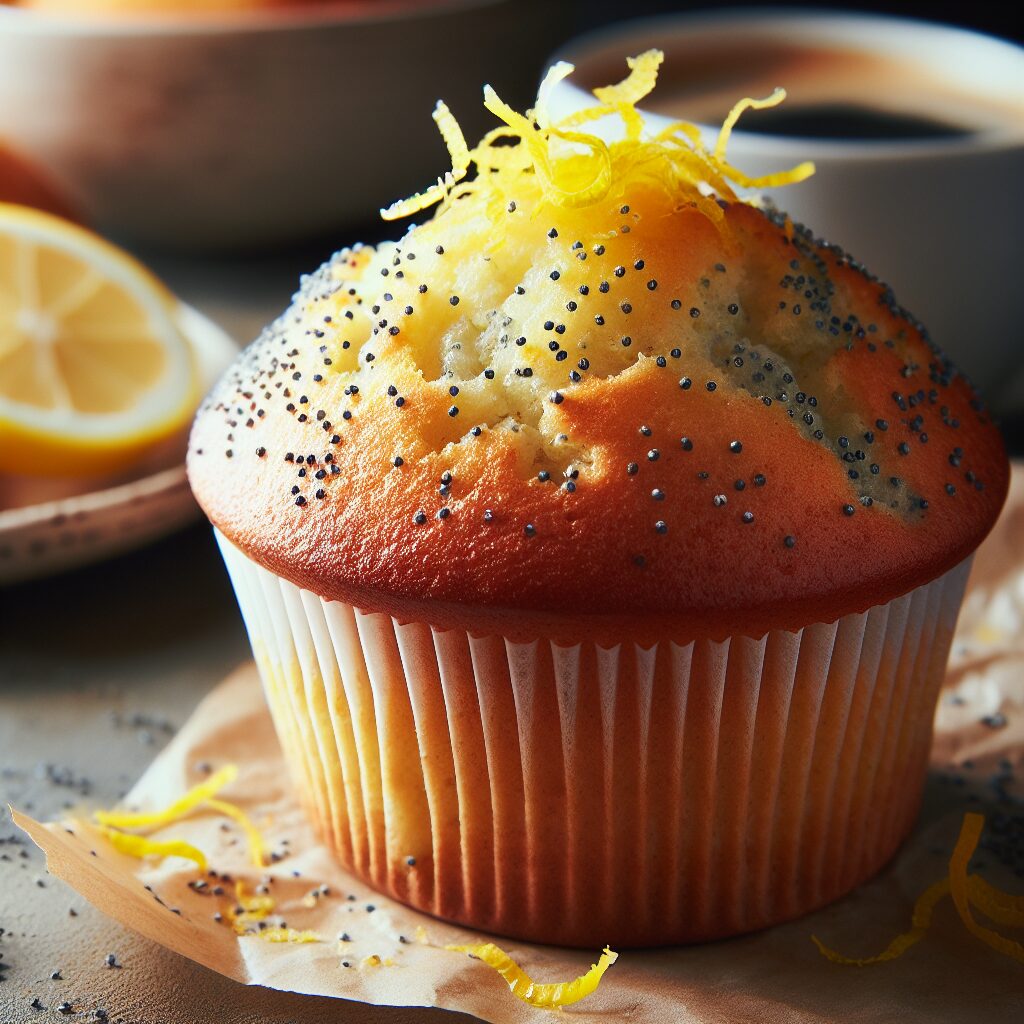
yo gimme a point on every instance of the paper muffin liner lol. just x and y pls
(584, 795)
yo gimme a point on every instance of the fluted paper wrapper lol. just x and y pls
(767, 976)
(586, 794)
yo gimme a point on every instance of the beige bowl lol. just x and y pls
(234, 129)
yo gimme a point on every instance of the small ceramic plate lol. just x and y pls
(39, 540)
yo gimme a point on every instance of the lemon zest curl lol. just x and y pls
(967, 890)
(143, 846)
(545, 996)
(202, 795)
(249, 908)
(253, 909)
(571, 169)
(193, 798)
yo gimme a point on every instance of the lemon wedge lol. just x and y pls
(94, 368)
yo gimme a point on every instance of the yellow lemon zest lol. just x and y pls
(1002, 907)
(558, 71)
(546, 996)
(960, 890)
(193, 798)
(640, 82)
(141, 846)
(458, 151)
(557, 164)
(257, 847)
(453, 138)
(252, 908)
(201, 795)
(920, 923)
(249, 908)
(287, 935)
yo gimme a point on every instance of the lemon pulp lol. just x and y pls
(94, 369)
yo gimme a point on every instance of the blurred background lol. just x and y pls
(169, 119)
(996, 18)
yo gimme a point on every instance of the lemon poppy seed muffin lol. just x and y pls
(600, 542)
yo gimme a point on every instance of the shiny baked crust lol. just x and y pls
(709, 429)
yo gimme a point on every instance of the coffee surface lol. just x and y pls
(850, 121)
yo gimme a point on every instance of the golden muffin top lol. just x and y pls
(598, 392)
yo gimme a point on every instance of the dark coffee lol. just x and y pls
(849, 121)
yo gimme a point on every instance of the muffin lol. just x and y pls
(600, 542)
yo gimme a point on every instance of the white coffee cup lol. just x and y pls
(940, 219)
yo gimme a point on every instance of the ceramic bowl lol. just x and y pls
(232, 130)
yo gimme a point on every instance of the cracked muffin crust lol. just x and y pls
(630, 411)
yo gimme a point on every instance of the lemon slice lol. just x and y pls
(94, 368)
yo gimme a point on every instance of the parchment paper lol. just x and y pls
(772, 976)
